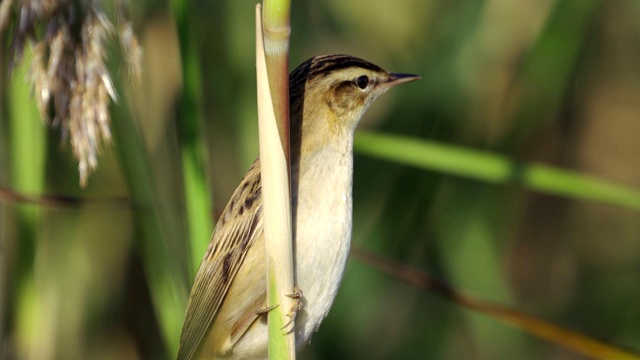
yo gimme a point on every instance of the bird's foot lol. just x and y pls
(266, 309)
(295, 308)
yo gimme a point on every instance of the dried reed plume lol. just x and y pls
(69, 78)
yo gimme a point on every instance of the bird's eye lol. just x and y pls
(362, 82)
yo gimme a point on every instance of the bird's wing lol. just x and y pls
(237, 230)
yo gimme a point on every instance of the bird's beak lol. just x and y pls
(395, 79)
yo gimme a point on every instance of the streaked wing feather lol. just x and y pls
(236, 232)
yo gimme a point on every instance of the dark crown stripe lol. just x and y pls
(324, 65)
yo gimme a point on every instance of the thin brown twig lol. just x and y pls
(570, 339)
(14, 197)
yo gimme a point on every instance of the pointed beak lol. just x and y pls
(395, 79)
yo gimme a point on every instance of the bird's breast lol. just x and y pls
(322, 232)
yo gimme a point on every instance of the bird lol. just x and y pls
(328, 95)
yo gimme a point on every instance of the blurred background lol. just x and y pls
(549, 81)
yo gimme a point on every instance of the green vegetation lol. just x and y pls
(509, 171)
